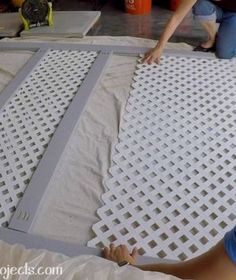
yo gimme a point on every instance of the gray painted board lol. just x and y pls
(66, 24)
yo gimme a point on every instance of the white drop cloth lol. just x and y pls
(69, 209)
(78, 268)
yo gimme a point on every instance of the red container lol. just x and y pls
(138, 7)
(174, 4)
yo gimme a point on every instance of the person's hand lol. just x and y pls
(120, 253)
(154, 55)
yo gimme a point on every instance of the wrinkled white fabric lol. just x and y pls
(77, 268)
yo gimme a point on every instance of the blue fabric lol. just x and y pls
(226, 39)
(205, 10)
(230, 244)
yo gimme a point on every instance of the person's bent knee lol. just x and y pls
(201, 7)
(224, 54)
(204, 10)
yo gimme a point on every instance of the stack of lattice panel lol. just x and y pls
(29, 119)
(172, 182)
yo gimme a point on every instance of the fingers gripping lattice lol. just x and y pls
(172, 183)
(29, 119)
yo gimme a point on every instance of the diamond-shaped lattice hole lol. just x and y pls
(127, 215)
(141, 251)
(213, 232)
(204, 240)
(135, 224)
(161, 254)
(193, 248)
(138, 208)
(223, 224)
(112, 238)
(173, 246)
(132, 241)
(100, 245)
(116, 222)
(104, 228)
(194, 231)
(163, 236)
(2, 214)
(155, 227)
(184, 238)
(143, 234)
(174, 229)
(182, 257)
(232, 217)
(108, 212)
(124, 231)
(152, 244)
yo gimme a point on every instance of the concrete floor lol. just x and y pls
(115, 22)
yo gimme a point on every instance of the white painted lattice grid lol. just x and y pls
(172, 185)
(30, 118)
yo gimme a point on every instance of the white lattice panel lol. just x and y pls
(29, 119)
(172, 183)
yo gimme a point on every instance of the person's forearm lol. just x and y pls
(170, 28)
(183, 9)
(179, 269)
(213, 265)
(191, 269)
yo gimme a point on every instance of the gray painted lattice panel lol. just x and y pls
(172, 184)
(29, 119)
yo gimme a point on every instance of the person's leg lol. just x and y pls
(208, 14)
(226, 37)
(211, 28)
